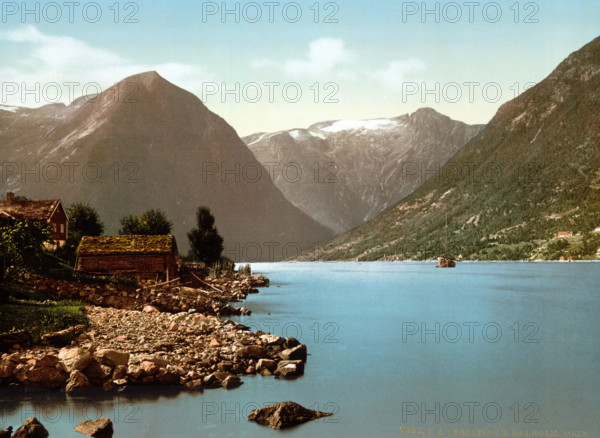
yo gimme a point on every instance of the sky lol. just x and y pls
(273, 65)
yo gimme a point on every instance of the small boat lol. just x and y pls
(445, 261)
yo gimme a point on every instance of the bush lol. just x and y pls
(222, 268)
(245, 270)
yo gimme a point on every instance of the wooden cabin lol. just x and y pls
(50, 211)
(137, 256)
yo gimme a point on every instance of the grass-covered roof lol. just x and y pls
(128, 244)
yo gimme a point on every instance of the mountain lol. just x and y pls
(146, 143)
(533, 171)
(343, 173)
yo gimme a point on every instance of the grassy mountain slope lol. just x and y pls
(534, 171)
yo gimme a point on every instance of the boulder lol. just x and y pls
(194, 385)
(6, 433)
(74, 358)
(6, 368)
(270, 339)
(290, 368)
(291, 343)
(295, 353)
(119, 372)
(134, 371)
(266, 364)
(149, 358)
(77, 380)
(211, 381)
(100, 428)
(231, 382)
(49, 360)
(46, 377)
(286, 414)
(168, 378)
(31, 428)
(252, 352)
(149, 368)
(95, 372)
(113, 357)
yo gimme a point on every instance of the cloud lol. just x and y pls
(325, 56)
(397, 71)
(61, 59)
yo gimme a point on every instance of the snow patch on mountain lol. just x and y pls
(318, 134)
(361, 125)
(10, 109)
(295, 134)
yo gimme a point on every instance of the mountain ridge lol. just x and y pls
(532, 172)
(354, 169)
(146, 143)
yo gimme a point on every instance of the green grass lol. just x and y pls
(41, 318)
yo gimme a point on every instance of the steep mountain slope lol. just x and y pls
(534, 171)
(344, 173)
(146, 143)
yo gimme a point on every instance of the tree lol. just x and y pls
(130, 224)
(21, 244)
(83, 221)
(152, 222)
(205, 241)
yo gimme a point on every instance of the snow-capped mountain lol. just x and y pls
(343, 173)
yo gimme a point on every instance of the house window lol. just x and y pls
(62, 228)
(54, 227)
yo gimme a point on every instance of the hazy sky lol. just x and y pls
(271, 65)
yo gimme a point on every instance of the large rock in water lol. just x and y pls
(31, 428)
(100, 428)
(286, 414)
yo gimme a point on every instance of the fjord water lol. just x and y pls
(506, 347)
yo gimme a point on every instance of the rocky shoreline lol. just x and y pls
(126, 347)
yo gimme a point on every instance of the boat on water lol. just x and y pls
(445, 261)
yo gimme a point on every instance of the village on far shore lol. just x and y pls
(130, 312)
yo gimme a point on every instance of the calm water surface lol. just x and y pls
(506, 347)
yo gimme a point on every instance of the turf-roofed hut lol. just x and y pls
(137, 256)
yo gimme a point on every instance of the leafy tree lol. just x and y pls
(152, 222)
(21, 244)
(205, 241)
(130, 224)
(83, 221)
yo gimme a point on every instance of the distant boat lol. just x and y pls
(445, 261)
